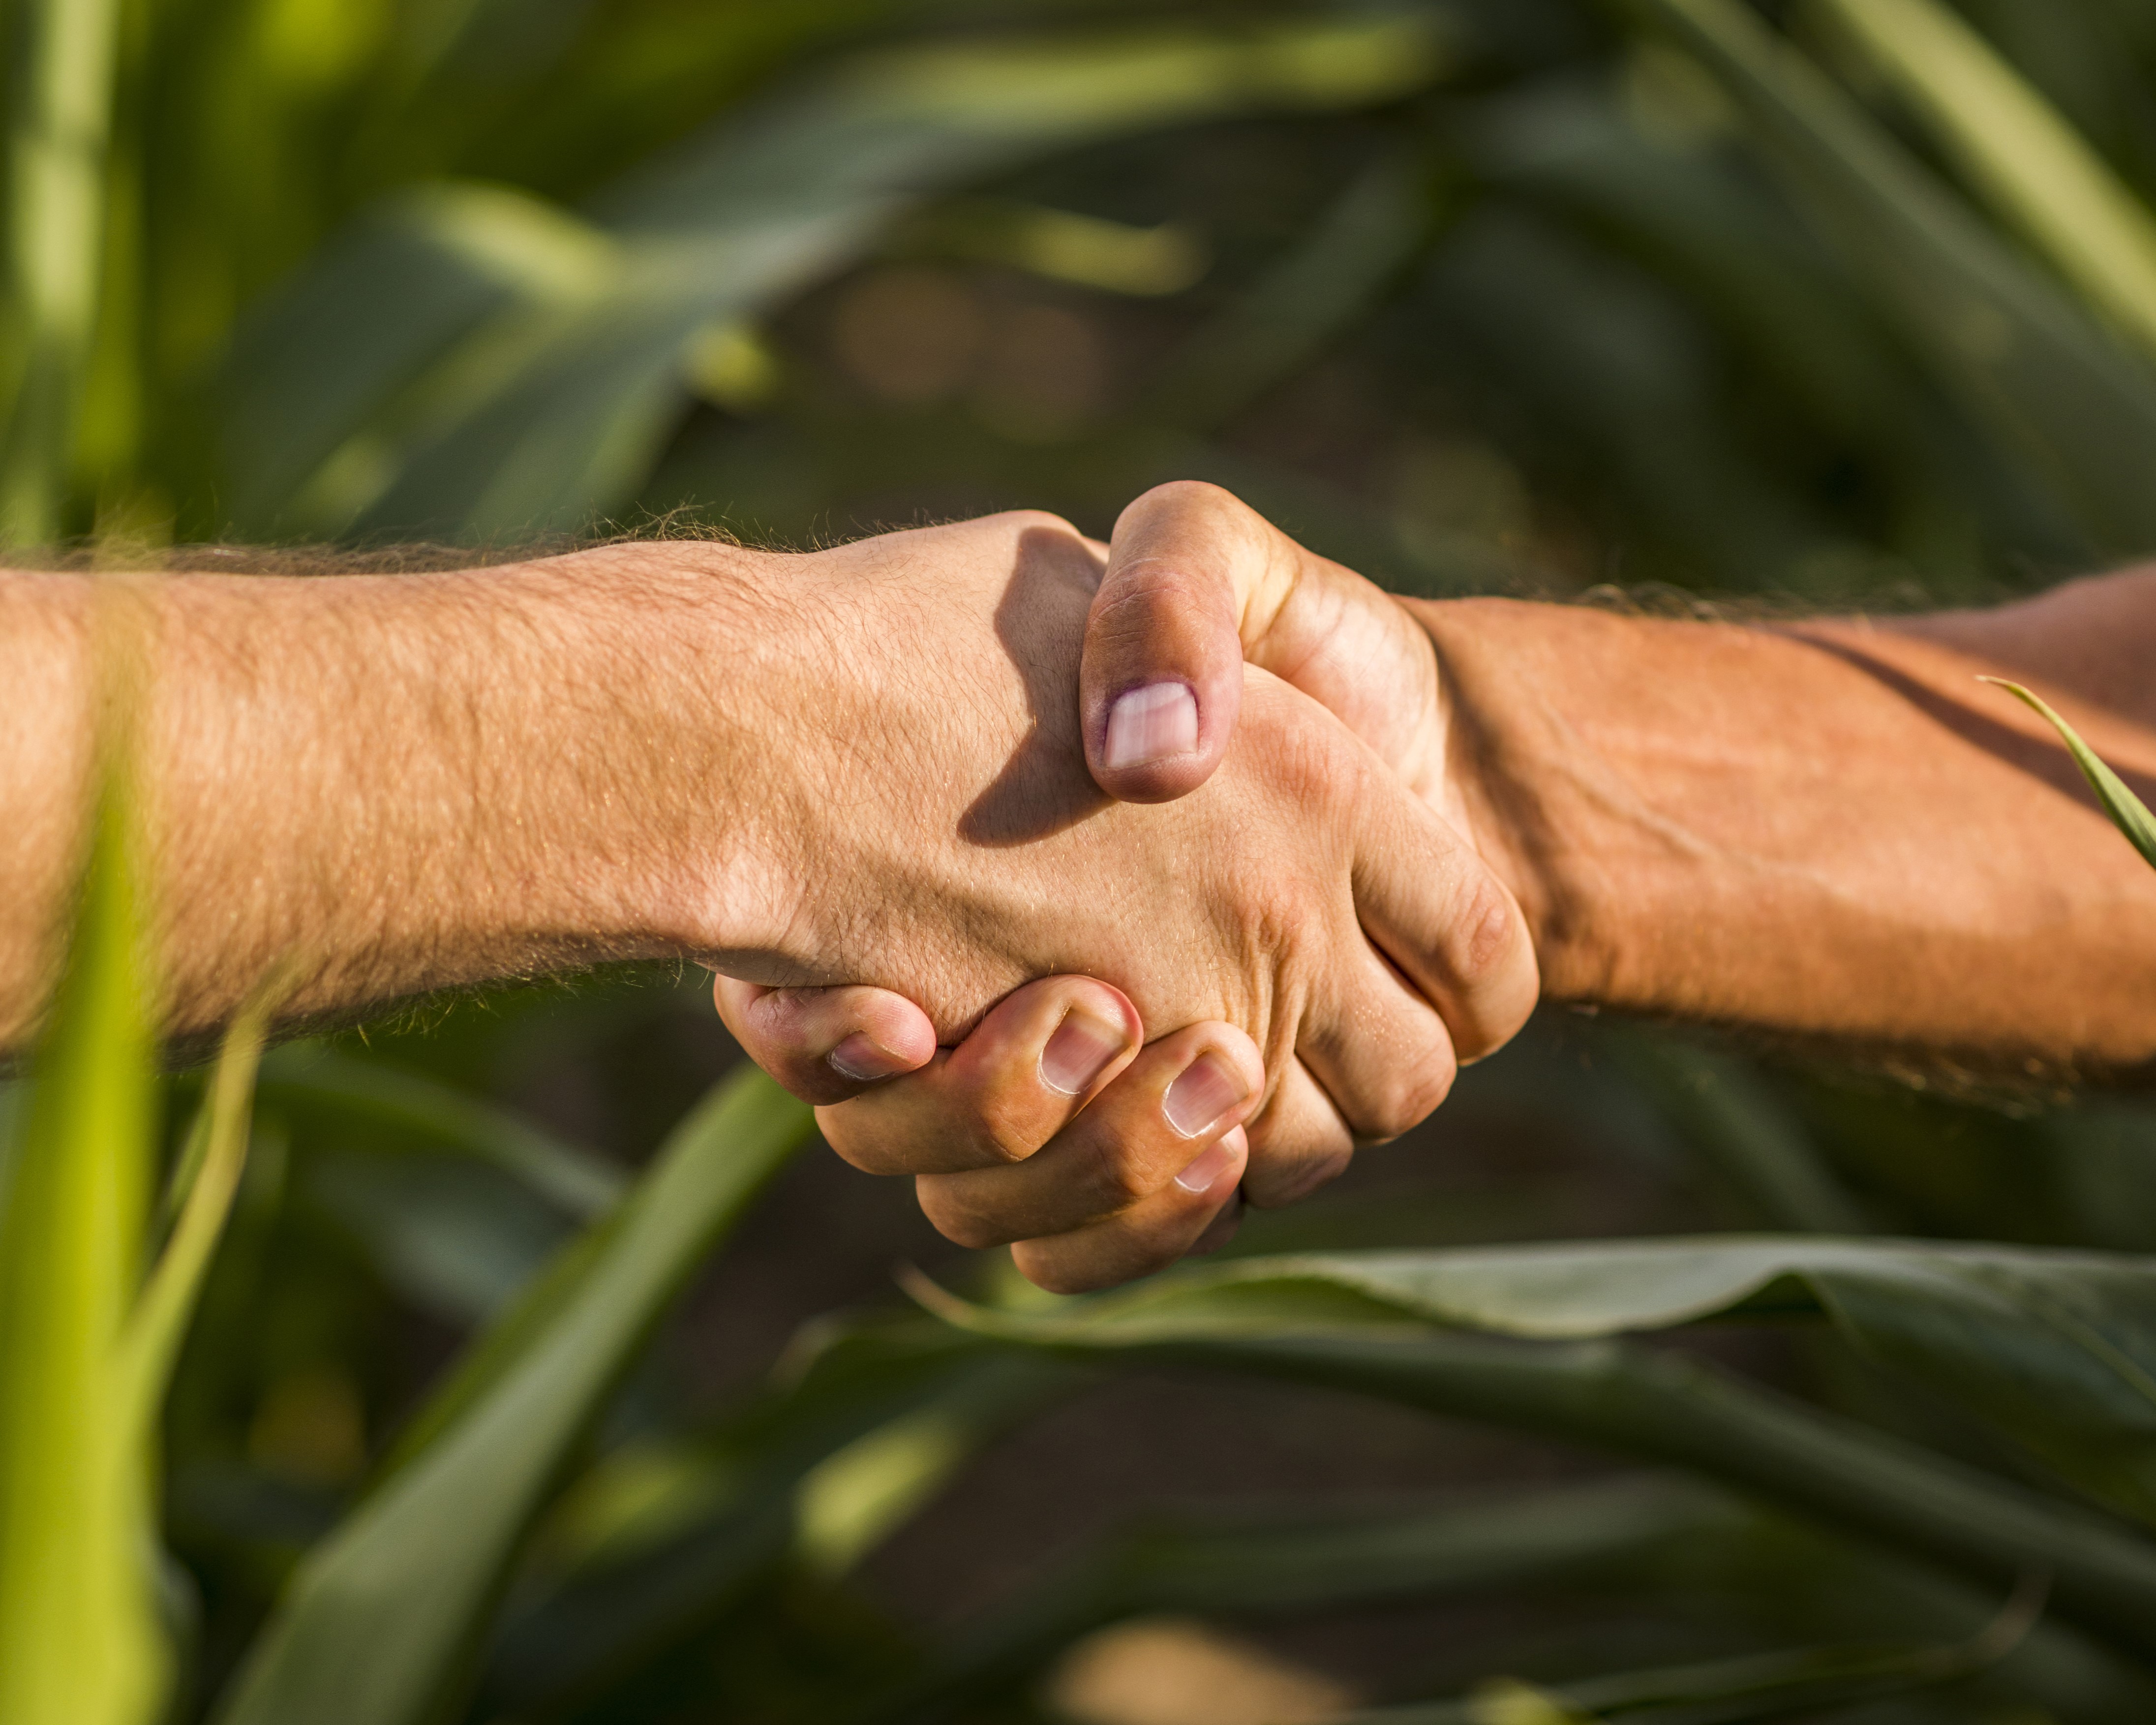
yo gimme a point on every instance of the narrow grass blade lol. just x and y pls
(78, 1640)
(379, 1624)
(2032, 166)
(2128, 812)
(202, 1188)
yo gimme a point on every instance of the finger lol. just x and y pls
(1298, 1143)
(826, 1045)
(1197, 583)
(1160, 676)
(1150, 1235)
(1170, 1105)
(1438, 911)
(1221, 1229)
(1039, 1057)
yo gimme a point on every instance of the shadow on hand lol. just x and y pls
(1045, 787)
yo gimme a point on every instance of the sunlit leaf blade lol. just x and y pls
(379, 1624)
(525, 377)
(2066, 404)
(1388, 1324)
(2128, 812)
(79, 1641)
(2033, 166)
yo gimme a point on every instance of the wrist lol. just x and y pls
(1485, 796)
(668, 815)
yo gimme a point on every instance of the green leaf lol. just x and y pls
(2035, 168)
(898, 1405)
(378, 1625)
(1732, 1692)
(79, 1639)
(1739, 1128)
(375, 1094)
(484, 390)
(202, 1189)
(2057, 1349)
(2128, 812)
(2053, 1346)
(1283, 1562)
(2060, 398)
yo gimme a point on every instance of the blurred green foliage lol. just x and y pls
(1827, 302)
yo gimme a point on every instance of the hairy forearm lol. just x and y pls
(1826, 830)
(379, 784)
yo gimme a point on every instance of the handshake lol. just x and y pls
(1102, 888)
(1104, 1027)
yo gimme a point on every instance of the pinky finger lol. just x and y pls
(826, 1045)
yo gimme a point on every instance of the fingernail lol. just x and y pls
(1150, 724)
(1205, 1090)
(1215, 1161)
(1078, 1053)
(860, 1059)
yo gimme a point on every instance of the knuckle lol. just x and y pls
(961, 1223)
(1186, 494)
(1002, 1132)
(1408, 1094)
(1484, 929)
(1116, 1177)
(1023, 521)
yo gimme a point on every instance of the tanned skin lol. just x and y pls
(883, 775)
(1829, 831)
(865, 762)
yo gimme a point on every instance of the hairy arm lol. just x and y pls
(400, 783)
(1827, 830)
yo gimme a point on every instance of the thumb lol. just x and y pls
(1198, 584)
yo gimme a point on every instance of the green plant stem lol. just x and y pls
(62, 103)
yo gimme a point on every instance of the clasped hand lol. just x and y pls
(1305, 929)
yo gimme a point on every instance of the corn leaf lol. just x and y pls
(380, 1623)
(1733, 1691)
(2060, 399)
(2007, 1331)
(2057, 1349)
(2031, 165)
(79, 1639)
(376, 1094)
(824, 1465)
(475, 362)
(2128, 812)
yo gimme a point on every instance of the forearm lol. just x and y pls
(1831, 830)
(388, 785)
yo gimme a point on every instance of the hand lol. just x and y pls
(1190, 568)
